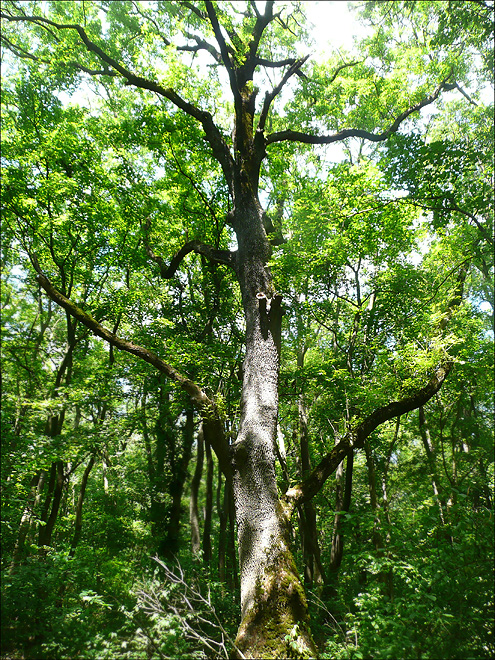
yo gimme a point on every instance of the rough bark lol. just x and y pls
(273, 603)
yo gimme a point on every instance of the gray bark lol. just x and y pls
(193, 503)
(267, 570)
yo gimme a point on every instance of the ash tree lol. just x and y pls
(234, 85)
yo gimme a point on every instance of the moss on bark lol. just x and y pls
(277, 624)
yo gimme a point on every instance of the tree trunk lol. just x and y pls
(233, 573)
(223, 515)
(430, 455)
(27, 519)
(385, 577)
(342, 504)
(193, 504)
(179, 463)
(208, 505)
(313, 569)
(79, 507)
(274, 618)
(46, 530)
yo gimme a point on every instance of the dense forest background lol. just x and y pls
(119, 535)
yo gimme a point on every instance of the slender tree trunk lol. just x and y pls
(313, 569)
(179, 463)
(79, 507)
(370, 462)
(193, 505)
(208, 505)
(223, 516)
(430, 455)
(27, 519)
(232, 571)
(46, 531)
(385, 577)
(342, 504)
(105, 464)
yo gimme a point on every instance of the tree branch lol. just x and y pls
(213, 135)
(255, 8)
(453, 207)
(218, 256)
(200, 14)
(198, 397)
(355, 438)
(275, 65)
(167, 272)
(201, 44)
(306, 138)
(269, 96)
(342, 66)
(262, 20)
(224, 51)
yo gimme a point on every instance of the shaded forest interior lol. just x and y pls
(247, 332)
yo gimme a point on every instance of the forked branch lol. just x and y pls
(270, 96)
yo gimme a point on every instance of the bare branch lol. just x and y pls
(189, 604)
(269, 96)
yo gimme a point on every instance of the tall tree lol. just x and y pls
(141, 46)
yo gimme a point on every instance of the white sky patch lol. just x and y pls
(335, 25)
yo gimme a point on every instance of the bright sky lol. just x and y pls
(334, 23)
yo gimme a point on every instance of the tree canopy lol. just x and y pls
(247, 330)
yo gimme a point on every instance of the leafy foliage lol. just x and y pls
(103, 465)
